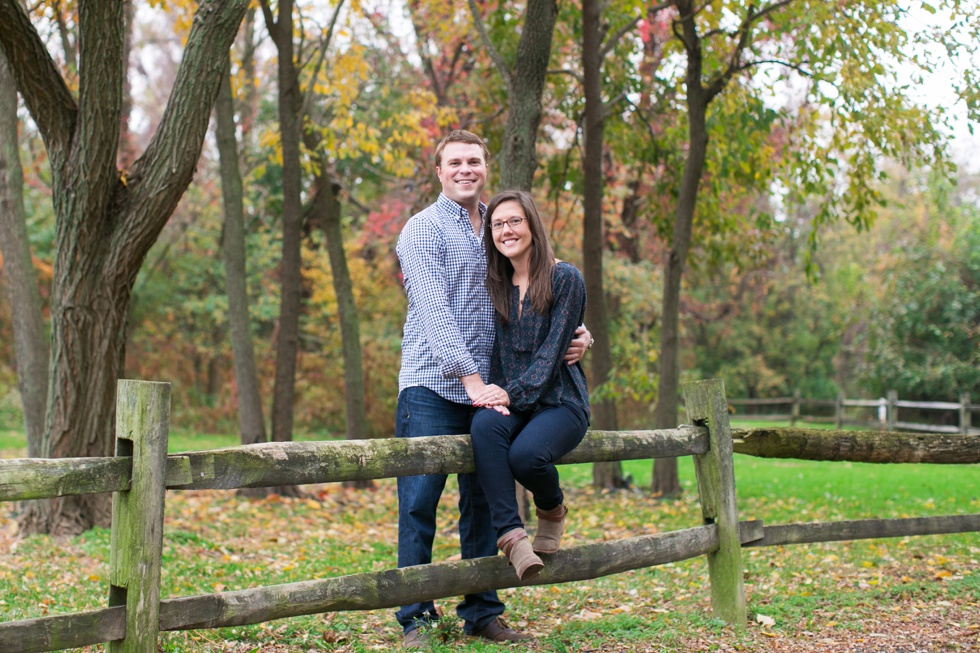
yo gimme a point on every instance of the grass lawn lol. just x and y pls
(900, 594)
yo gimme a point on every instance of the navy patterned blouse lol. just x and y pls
(528, 358)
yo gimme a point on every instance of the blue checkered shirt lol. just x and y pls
(450, 325)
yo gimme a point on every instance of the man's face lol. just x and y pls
(463, 173)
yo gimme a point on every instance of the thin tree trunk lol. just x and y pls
(30, 346)
(251, 422)
(603, 412)
(665, 478)
(327, 209)
(290, 267)
(127, 148)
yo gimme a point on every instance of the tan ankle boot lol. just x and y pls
(551, 525)
(517, 548)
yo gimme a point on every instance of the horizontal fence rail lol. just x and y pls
(856, 446)
(370, 591)
(270, 464)
(886, 419)
(136, 613)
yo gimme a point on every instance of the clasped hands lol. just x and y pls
(492, 396)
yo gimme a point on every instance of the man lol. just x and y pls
(446, 349)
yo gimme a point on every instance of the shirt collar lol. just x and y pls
(449, 206)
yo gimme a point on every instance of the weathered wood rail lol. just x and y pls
(886, 412)
(141, 472)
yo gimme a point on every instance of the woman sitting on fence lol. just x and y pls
(537, 405)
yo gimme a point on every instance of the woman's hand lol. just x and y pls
(492, 396)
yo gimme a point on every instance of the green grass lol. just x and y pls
(215, 541)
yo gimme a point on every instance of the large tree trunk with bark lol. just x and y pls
(519, 161)
(603, 412)
(250, 420)
(665, 479)
(105, 223)
(30, 346)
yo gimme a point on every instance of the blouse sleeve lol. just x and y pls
(567, 313)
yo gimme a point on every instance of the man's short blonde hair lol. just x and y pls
(461, 136)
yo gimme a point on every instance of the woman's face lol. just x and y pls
(511, 231)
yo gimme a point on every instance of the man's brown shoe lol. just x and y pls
(498, 631)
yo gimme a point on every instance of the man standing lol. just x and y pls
(446, 350)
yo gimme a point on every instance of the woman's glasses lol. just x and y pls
(497, 225)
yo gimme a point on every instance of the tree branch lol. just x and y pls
(607, 107)
(40, 84)
(610, 43)
(786, 64)
(321, 56)
(718, 83)
(498, 60)
(161, 175)
(95, 146)
(566, 71)
(270, 20)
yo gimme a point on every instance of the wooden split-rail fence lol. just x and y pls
(141, 472)
(883, 413)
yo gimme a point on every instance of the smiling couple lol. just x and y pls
(491, 347)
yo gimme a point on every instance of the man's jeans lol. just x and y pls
(422, 412)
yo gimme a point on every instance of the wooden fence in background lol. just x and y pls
(141, 472)
(884, 412)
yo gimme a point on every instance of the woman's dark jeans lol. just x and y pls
(523, 448)
(423, 412)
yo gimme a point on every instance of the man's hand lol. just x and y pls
(581, 344)
(474, 386)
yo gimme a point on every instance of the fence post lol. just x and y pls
(707, 406)
(839, 411)
(794, 413)
(892, 413)
(142, 431)
(966, 415)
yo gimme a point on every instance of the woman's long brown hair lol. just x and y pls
(500, 271)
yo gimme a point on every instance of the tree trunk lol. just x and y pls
(30, 346)
(665, 479)
(290, 267)
(518, 160)
(250, 420)
(127, 148)
(603, 412)
(327, 209)
(105, 224)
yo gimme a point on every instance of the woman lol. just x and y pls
(537, 405)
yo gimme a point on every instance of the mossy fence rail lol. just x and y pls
(141, 472)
